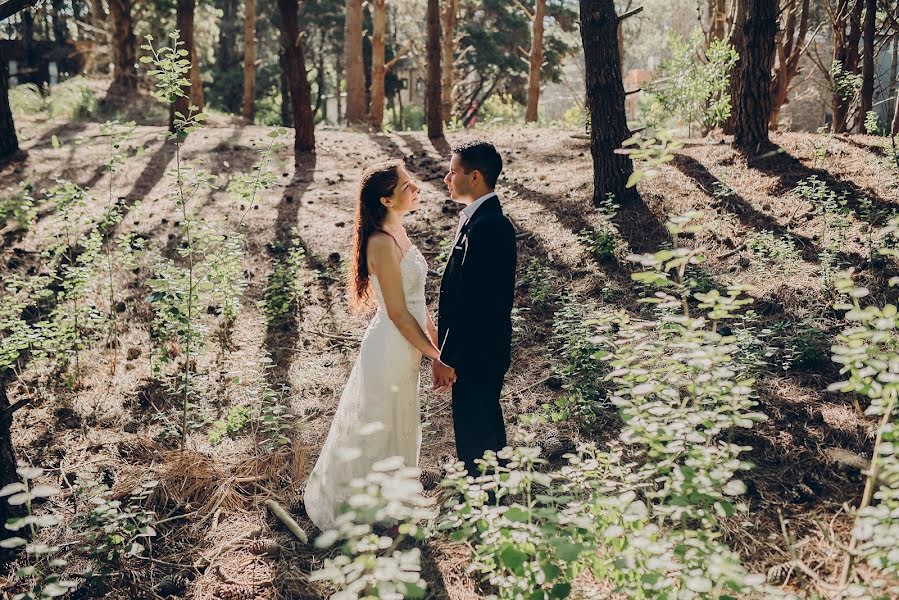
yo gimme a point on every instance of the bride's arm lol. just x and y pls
(432, 330)
(386, 266)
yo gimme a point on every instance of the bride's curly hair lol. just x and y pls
(378, 181)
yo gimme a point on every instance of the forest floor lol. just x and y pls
(110, 429)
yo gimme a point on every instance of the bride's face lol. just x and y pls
(405, 195)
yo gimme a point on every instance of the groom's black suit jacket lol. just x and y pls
(476, 293)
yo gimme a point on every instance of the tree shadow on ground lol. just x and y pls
(789, 171)
(748, 215)
(281, 334)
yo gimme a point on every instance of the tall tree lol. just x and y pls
(249, 60)
(9, 143)
(845, 20)
(717, 13)
(355, 76)
(754, 32)
(196, 85)
(379, 18)
(432, 94)
(535, 62)
(866, 100)
(380, 68)
(124, 45)
(447, 58)
(300, 90)
(184, 22)
(605, 100)
(790, 44)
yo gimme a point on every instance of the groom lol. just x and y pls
(474, 314)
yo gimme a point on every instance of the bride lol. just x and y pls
(378, 414)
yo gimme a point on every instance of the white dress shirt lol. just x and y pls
(469, 210)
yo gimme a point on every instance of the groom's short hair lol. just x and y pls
(480, 155)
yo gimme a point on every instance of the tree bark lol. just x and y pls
(845, 52)
(433, 105)
(355, 76)
(867, 92)
(605, 101)
(790, 44)
(196, 84)
(379, 18)
(535, 63)
(124, 45)
(9, 143)
(448, 51)
(717, 20)
(300, 90)
(249, 61)
(184, 18)
(755, 34)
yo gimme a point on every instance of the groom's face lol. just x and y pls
(457, 181)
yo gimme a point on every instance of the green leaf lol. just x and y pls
(567, 551)
(13, 542)
(54, 141)
(560, 590)
(516, 514)
(513, 559)
(635, 177)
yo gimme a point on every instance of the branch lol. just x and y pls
(8, 9)
(399, 55)
(9, 410)
(288, 521)
(631, 92)
(630, 13)
(526, 10)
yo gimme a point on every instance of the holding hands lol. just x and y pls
(443, 374)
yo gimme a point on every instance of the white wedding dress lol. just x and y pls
(378, 415)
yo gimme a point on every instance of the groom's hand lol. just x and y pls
(444, 376)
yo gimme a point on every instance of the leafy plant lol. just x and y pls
(113, 531)
(770, 250)
(872, 123)
(286, 285)
(833, 208)
(844, 84)
(692, 86)
(868, 352)
(39, 573)
(650, 151)
(539, 280)
(238, 417)
(18, 208)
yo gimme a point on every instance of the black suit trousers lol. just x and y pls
(477, 416)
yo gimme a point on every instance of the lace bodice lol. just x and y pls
(414, 269)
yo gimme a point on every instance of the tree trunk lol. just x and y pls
(433, 105)
(752, 103)
(379, 18)
(286, 114)
(249, 61)
(717, 20)
(184, 18)
(9, 143)
(867, 92)
(535, 63)
(790, 44)
(355, 76)
(300, 90)
(448, 48)
(894, 130)
(196, 84)
(605, 100)
(845, 52)
(338, 72)
(124, 45)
